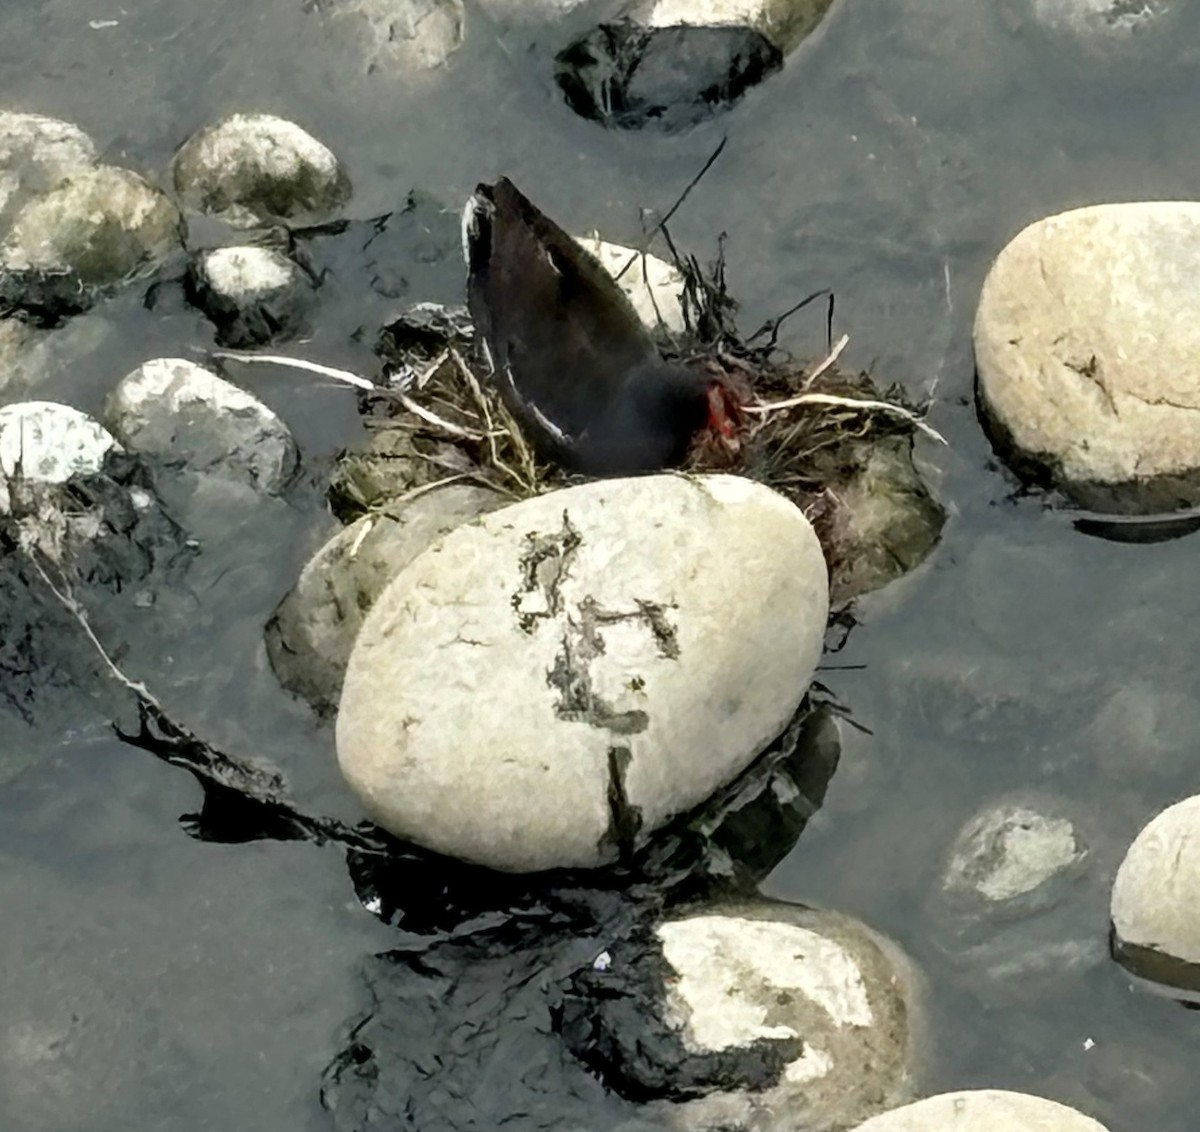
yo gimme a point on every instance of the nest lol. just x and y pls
(804, 429)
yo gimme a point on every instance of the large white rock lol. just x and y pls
(1088, 352)
(310, 634)
(777, 971)
(189, 417)
(48, 443)
(1156, 897)
(982, 1110)
(255, 168)
(549, 685)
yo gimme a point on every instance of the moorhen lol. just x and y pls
(571, 359)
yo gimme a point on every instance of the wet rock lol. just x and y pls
(400, 35)
(1155, 915)
(1010, 852)
(256, 168)
(628, 76)
(390, 463)
(653, 286)
(983, 1110)
(587, 645)
(881, 522)
(310, 634)
(783, 22)
(100, 228)
(36, 155)
(43, 442)
(187, 417)
(1086, 351)
(253, 295)
(747, 1016)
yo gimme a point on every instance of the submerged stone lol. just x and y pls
(97, 230)
(401, 35)
(1011, 852)
(629, 76)
(36, 155)
(257, 168)
(592, 646)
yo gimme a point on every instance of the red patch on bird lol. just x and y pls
(725, 415)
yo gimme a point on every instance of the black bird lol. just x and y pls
(571, 359)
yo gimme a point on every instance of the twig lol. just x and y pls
(342, 375)
(430, 417)
(835, 352)
(218, 772)
(527, 484)
(676, 206)
(775, 323)
(69, 602)
(851, 403)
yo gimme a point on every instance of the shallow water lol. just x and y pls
(158, 982)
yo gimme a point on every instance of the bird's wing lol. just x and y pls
(554, 319)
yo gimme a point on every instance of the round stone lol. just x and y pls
(1156, 899)
(755, 1015)
(189, 417)
(983, 1110)
(623, 648)
(100, 228)
(311, 632)
(45, 442)
(256, 168)
(253, 295)
(1011, 850)
(1087, 354)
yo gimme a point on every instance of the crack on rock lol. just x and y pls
(545, 565)
(624, 818)
(1090, 371)
(1164, 401)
